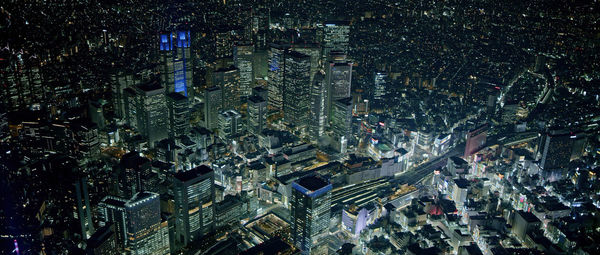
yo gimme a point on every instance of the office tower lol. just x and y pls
(179, 114)
(194, 193)
(380, 87)
(314, 51)
(310, 209)
(275, 75)
(176, 63)
(318, 116)
(228, 79)
(257, 113)
(243, 59)
(230, 124)
(296, 93)
(86, 138)
(555, 149)
(213, 103)
(341, 124)
(4, 131)
(336, 36)
(134, 170)
(122, 80)
(83, 207)
(147, 109)
(261, 92)
(112, 210)
(475, 140)
(339, 78)
(96, 112)
(22, 84)
(102, 242)
(260, 26)
(146, 231)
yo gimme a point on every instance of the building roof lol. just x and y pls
(312, 182)
(191, 174)
(527, 216)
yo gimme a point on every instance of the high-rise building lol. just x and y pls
(243, 59)
(476, 139)
(555, 149)
(339, 78)
(176, 63)
(179, 114)
(257, 112)
(261, 92)
(147, 108)
(336, 36)
(230, 124)
(102, 242)
(83, 207)
(146, 232)
(228, 79)
(133, 170)
(213, 103)
(275, 75)
(314, 51)
(310, 212)
(318, 115)
(194, 193)
(341, 124)
(380, 86)
(112, 210)
(296, 93)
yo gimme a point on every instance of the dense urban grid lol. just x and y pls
(299, 127)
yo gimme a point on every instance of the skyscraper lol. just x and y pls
(230, 124)
(83, 207)
(336, 36)
(318, 116)
(213, 102)
(176, 64)
(341, 124)
(555, 149)
(339, 78)
(179, 117)
(150, 111)
(112, 210)
(296, 92)
(257, 112)
(194, 193)
(380, 87)
(146, 231)
(275, 75)
(310, 212)
(243, 59)
(228, 79)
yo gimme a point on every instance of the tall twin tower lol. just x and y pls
(176, 64)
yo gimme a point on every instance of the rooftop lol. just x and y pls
(312, 182)
(193, 173)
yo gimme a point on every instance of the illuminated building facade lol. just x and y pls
(194, 193)
(296, 89)
(310, 212)
(318, 115)
(176, 64)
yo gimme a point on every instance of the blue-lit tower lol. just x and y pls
(176, 64)
(310, 213)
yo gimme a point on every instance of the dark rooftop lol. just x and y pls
(312, 182)
(193, 173)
